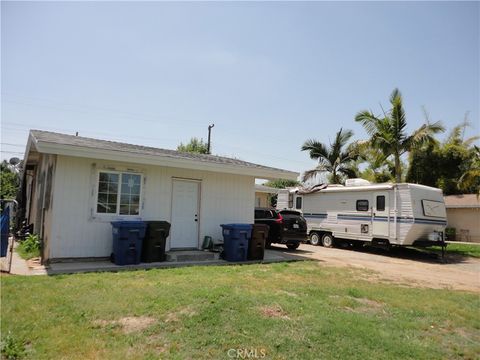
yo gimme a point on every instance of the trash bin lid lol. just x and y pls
(237, 226)
(124, 223)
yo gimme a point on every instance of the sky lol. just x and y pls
(269, 75)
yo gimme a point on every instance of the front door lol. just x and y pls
(380, 209)
(185, 214)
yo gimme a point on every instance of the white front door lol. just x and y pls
(381, 221)
(185, 214)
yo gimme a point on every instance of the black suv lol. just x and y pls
(286, 226)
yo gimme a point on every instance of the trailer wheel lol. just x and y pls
(315, 238)
(327, 240)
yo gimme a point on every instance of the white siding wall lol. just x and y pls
(224, 198)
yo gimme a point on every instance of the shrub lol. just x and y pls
(30, 247)
(12, 348)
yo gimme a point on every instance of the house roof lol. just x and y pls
(462, 201)
(70, 145)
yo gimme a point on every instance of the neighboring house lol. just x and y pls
(263, 194)
(73, 187)
(463, 214)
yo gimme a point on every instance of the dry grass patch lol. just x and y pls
(176, 315)
(274, 311)
(128, 324)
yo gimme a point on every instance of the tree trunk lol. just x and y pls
(398, 169)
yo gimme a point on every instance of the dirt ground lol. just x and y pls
(404, 266)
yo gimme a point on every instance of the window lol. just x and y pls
(257, 201)
(290, 200)
(118, 193)
(381, 203)
(298, 203)
(362, 205)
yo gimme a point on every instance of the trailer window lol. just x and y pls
(362, 205)
(298, 203)
(381, 203)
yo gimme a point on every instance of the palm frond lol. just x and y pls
(316, 149)
(368, 120)
(349, 171)
(470, 141)
(341, 139)
(422, 136)
(309, 174)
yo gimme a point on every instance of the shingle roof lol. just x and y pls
(462, 201)
(84, 142)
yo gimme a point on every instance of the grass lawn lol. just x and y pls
(299, 310)
(461, 249)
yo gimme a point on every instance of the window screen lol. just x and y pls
(362, 205)
(380, 203)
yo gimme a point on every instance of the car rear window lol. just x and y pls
(264, 214)
(290, 213)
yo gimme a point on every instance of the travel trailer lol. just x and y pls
(360, 212)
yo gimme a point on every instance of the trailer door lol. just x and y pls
(380, 215)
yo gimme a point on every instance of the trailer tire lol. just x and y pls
(315, 238)
(327, 240)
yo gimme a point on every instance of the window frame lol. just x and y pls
(119, 190)
(297, 199)
(368, 205)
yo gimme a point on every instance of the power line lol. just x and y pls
(12, 152)
(9, 144)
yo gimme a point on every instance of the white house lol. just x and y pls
(263, 194)
(73, 187)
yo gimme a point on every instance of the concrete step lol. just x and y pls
(191, 255)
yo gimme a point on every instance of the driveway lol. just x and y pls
(403, 265)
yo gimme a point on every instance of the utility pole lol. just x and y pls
(209, 131)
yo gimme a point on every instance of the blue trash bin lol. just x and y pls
(5, 229)
(127, 241)
(235, 241)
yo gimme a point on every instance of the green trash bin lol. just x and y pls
(153, 249)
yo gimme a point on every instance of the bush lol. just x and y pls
(30, 247)
(451, 234)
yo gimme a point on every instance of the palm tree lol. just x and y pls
(388, 133)
(336, 159)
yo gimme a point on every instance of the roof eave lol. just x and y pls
(158, 160)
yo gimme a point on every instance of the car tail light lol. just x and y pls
(279, 220)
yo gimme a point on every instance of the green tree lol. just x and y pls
(194, 146)
(337, 159)
(282, 183)
(388, 132)
(470, 179)
(279, 184)
(443, 164)
(9, 181)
